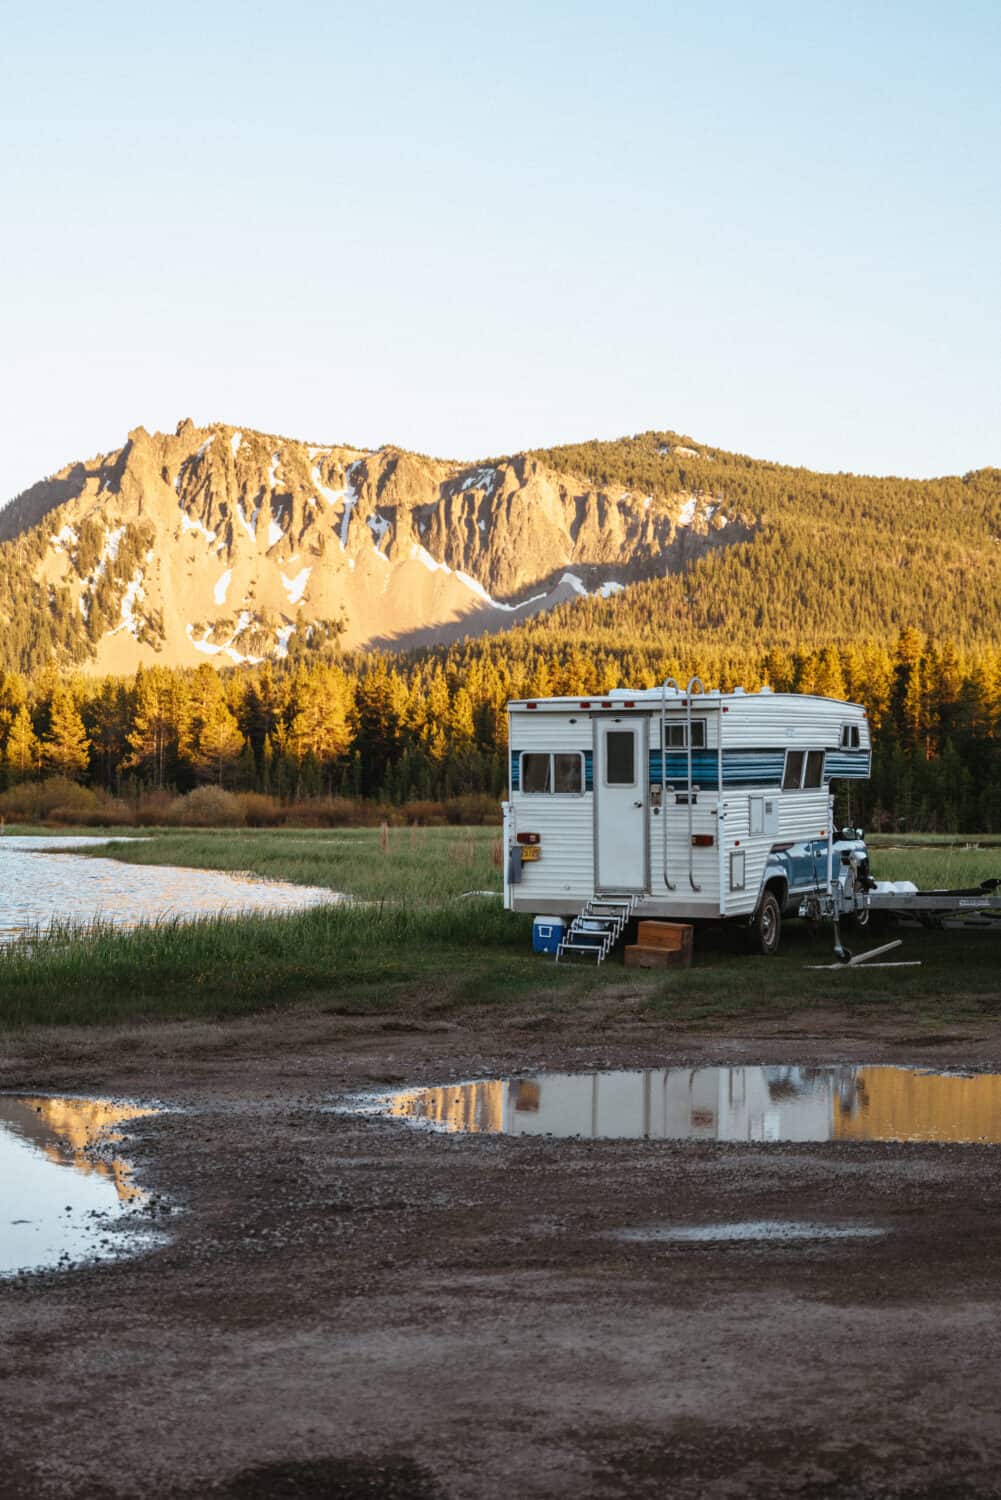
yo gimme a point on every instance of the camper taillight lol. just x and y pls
(702, 841)
(529, 838)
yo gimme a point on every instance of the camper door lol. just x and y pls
(621, 793)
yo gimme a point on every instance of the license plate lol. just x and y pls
(530, 851)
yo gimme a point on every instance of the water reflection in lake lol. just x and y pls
(846, 1102)
(62, 1188)
(39, 887)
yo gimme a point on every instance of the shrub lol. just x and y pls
(332, 812)
(207, 807)
(260, 811)
(473, 808)
(56, 797)
(153, 808)
(427, 814)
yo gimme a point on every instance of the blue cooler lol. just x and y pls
(547, 934)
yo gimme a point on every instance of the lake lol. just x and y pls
(41, 883)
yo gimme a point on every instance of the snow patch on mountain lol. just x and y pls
(64, 539)
(221, 588)
(187, 524)
(480, 479)
(134, 591)
(422, 555)
(210, 648)
(250, 527)
(378, 526)
(296, 587)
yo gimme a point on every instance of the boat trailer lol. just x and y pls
(866, 903)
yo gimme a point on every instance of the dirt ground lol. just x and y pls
(347, 1306)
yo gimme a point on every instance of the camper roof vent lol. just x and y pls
(765, 689)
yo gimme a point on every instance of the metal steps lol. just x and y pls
(594, 932)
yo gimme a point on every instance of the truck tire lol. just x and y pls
(766, 930)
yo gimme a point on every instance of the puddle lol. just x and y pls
(41, 883)
(840, 1103)
(749, 1231)
(65, 1194)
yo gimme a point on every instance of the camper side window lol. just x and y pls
(850, 739)
(804, 770)
(536, 773)
(794, 770)
(676, 737)
(551, 773)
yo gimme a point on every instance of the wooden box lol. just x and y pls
(670, 935)
(638, 957)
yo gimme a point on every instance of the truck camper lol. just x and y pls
(678, 803)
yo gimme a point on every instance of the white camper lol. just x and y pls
(677, 803)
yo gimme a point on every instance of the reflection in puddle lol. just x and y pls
(752, 1230)
(41, 883)
(49, 1215)
(842, 1103)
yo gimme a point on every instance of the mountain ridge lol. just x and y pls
(229, 545)
(226, 542)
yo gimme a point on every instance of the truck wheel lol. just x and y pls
(767, 928)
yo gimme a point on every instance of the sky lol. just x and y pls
(467, 230)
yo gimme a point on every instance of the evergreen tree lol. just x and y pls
(23, 750)
(66, 748)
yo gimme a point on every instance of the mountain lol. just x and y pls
(226, 545)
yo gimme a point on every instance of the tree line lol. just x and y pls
(432, 724)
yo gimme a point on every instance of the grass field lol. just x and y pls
(423, 865)
(416, 941)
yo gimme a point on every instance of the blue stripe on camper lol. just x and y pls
(847, 765)
(740, 768)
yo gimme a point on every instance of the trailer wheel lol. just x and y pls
(874, 922)
(766, 931)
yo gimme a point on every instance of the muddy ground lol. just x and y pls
(351, 1307)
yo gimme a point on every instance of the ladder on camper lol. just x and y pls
(594, 932)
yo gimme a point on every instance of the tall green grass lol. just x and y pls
(413, 939)
(221, 966)
(418, 865)
(939, 867)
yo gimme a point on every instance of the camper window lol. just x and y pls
(850, 737)
(569, 774)
(794, 770)
(814, 768)
(676, 737)
(551, 773)
(804, 770)
(620, 758)
(536, 773)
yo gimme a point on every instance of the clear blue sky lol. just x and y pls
(469, 229)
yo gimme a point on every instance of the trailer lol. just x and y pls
(682, 804)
